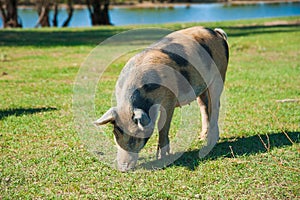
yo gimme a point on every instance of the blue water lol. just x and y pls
(179, 13)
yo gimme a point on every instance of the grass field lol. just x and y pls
(257, 157)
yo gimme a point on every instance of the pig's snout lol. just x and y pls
(126, 160)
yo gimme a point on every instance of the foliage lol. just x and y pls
(257, 156)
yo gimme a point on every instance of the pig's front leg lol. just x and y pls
(164, 123)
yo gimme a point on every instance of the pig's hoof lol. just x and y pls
(125, 167)
(162, 152)
(203, 134)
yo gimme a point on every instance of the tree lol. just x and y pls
(55, 14)
(98, 10)
(43, 8)
(70, 10)
(9, 13)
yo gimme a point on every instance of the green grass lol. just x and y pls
(43, 157)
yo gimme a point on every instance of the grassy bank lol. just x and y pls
(257, 156)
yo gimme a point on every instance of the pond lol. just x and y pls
(178, 13)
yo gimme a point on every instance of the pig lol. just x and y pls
(186, 65)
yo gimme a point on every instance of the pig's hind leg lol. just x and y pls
(212, 112)
(205, 109)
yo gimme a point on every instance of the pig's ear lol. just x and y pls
(141, 118)
(109, 116)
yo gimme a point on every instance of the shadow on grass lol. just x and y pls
(237, 31)
(76, 37)
(239, 146)
(54, 37)
(93, 36)
(23, 111)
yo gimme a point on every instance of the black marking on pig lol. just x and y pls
(207, 49)
(225, 45)
(138, 101)
(133, 143)
(186, 89)
(150, 87)
(151, 81)
(206, 58)
(211, 31)
(176, 52)
(118, 132)
(185, 74)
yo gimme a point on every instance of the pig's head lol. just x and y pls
(132, 129)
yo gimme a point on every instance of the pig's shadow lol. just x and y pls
(230, 147)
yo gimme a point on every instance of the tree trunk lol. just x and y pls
(55, 14)
(70, 13)
(43, 8)
(9, 13)
(99, 12)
